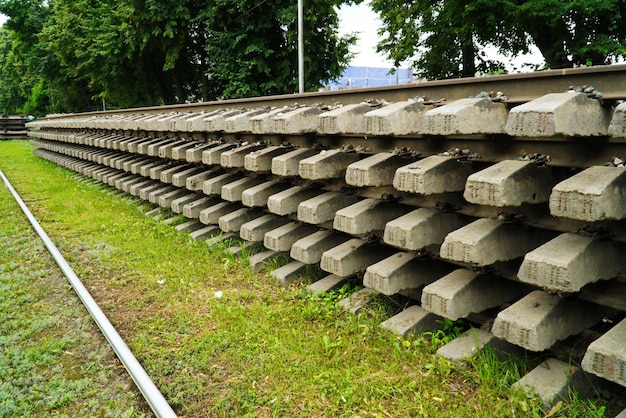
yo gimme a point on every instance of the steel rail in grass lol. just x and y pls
(148, 389)
(519, 88)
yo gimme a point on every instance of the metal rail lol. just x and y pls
(610, 79)
(153, 396)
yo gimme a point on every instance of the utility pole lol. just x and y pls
(300, 47)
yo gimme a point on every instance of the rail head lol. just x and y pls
(610, 79)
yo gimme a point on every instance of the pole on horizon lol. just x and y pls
(300, 47)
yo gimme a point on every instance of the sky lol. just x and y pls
(362, 20)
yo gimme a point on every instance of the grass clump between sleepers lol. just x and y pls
(258, 349)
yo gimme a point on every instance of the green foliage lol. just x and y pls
(10, 75)
(261, 39)
(447, 38)
(322, 305)
(443, 38)
(580, 32)
(31, 77)
(38, 98)
(76, 55)
(449, 331)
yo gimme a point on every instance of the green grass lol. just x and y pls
(53, 361)
(261, 349)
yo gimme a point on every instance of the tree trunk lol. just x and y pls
(468, 52)
(550, 49)
(181, 96)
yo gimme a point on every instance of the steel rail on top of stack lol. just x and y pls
(518, 87)
(488, 204)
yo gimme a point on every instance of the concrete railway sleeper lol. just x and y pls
(457, 206)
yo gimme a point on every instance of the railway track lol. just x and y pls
(508, 205)
(150, 392)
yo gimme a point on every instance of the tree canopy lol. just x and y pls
(76, 55)
(447, 38)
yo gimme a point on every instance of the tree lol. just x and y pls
(168, 38)
(61, 55)
(443, 38)
(11, 98)
(31, 79)
(446, 38)
(253, 45)
(575, 32)
(87, 37)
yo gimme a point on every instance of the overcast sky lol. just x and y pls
(362, 20)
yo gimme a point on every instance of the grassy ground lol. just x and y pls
(53, 360)
(260, 350)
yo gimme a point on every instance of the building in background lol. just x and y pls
(359, 77)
